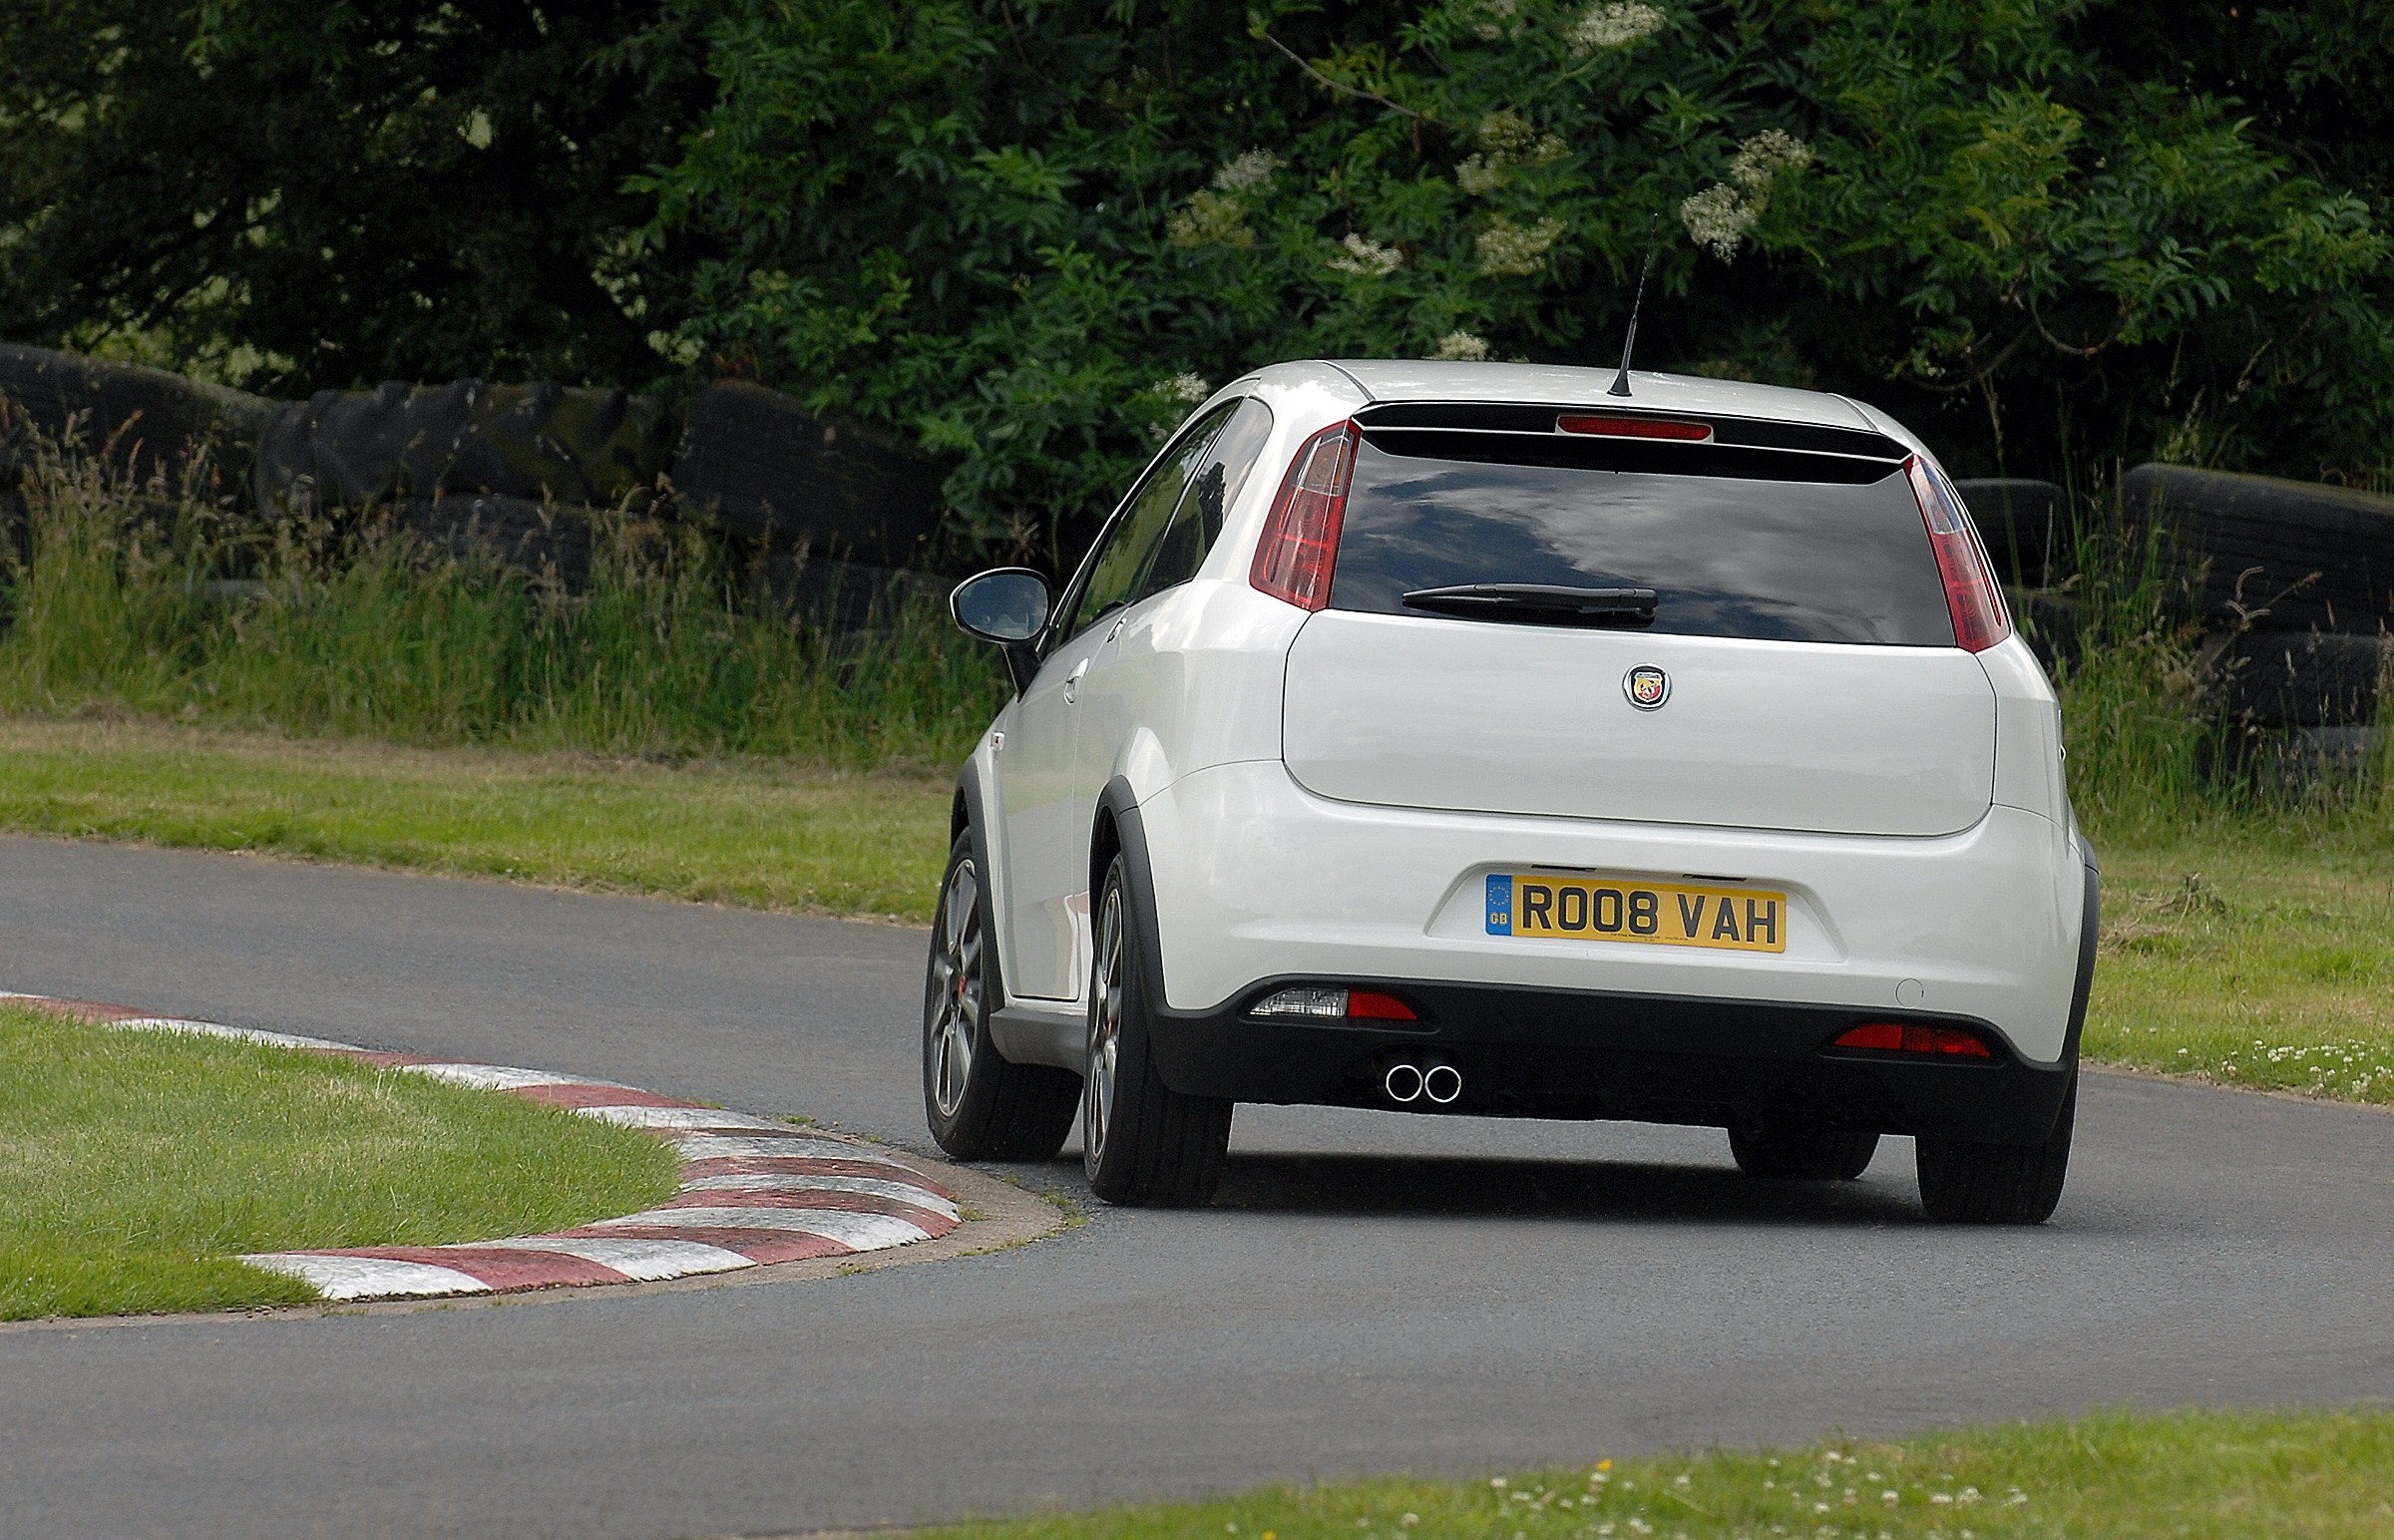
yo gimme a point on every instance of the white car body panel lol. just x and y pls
(1931, 848)
(1255, 878)
(1563, 385)
(1429, 712)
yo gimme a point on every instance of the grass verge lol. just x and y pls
(2197, 1475)
(2250, 952)
(135, 1165)
(757, 832)
(2253, 955)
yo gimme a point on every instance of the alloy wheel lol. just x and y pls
(956, 988)
(1105, 1030)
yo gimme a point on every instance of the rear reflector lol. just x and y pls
(1307, 1002)
(1913, 1038)
(1300, 547)
(1971, 596)
(1636, 428)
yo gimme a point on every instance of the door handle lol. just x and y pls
(1072, 682)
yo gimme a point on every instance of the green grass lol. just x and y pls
(2254, 954)
(121, 602)
(753, 832)
(2255, 951)
(133, 1165)
(663, 733)
(2192, 1476)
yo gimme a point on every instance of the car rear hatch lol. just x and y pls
(1542, 610)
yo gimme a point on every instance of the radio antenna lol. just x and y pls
(1629, 344)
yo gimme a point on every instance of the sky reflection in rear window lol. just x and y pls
(1761, 559)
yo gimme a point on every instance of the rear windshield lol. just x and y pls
(1728, 556)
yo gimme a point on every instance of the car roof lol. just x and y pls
(1397, 379)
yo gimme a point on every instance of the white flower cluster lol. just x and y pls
(1766, 154)
(1247, 172)
(1210, 220)
(1493, 16)
(1506, 139)
(1217, 217)
(1462, 347)
(1719, 218)
(1366, 259)
(1613, 24)
(1508, 250)
(1180, 390)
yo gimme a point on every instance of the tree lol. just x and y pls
(291, 196)
(1031, 235)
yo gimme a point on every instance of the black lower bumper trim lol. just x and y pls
(1557, 1053)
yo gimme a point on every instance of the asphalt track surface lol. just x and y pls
(1373, 1293)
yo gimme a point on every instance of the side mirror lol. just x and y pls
(1007, 605)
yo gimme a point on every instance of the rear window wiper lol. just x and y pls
(1543, 604)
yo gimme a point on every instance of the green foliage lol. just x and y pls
(1031, 235)
(2046, 233)
(290, 196)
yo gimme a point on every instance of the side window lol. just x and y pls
(1197, 523)
(1130, 542)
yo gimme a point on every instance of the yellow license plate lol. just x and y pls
(1585, 908)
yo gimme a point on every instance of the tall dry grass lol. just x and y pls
(159, 603)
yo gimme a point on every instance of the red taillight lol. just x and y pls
(1914, 1037)
(1369, 1005)
(1636, 428)
(1300, 538)
(1971, 597)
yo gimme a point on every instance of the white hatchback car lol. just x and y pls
(1470, 738)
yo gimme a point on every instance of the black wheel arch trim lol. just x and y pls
(968, 810)
(2089, 933)
(1120, 805)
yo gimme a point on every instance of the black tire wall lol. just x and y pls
(149, 420)
(2292, 556)
(2025, 526)
(594, 448)
(546, 540)
(2306, 678)
(761, 465)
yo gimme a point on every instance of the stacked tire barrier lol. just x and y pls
(149, 424)
(2295, 584)
(2292, 583)
(153, 429)
(835, 519)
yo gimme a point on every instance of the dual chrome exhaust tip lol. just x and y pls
(1421, 1078)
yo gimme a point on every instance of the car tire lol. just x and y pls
(1144, 1143)
(1799, 1150)
(1998, 1184)
(980, 1106)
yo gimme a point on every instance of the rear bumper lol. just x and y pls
(1253, 878)
(1557, 1053)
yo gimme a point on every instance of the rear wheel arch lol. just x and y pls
(1119, 830)
(967, 818)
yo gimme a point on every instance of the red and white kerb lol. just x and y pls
(752, 1192)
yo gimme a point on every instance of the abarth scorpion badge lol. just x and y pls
(1647, 688)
